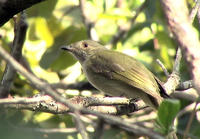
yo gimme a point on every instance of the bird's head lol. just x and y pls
(83, 49)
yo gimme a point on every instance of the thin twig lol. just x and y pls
(99, 129)
(88, 24)
(190, 122)
(176, 68)
(163, 67)
(194, 11)
(80, 126)
(190, 136)
(187, 109)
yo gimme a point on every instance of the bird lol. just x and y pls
(116, 73)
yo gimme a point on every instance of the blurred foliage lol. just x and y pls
(166, 115)
(59, 22)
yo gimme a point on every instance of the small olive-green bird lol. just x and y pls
(116, 73)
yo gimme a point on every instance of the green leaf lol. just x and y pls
(64, 60)
(148, 46)
(134, 29)
(166, 114)
(43, 9)
(54, 58)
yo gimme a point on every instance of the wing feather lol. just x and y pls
(118, 66)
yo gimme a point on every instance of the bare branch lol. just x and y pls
(50, 106)
(45, 103)
(10, 72)
(174, 78)
(186, 85)
(41, 103)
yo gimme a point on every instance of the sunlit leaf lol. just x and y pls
(42, 117)
(43, 31)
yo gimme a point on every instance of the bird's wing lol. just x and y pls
(118, 66)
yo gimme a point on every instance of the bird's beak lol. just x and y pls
(68, 48)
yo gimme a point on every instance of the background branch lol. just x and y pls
(173, 80)
(123, 31)
(8, 8)
(16, 51)
(186, 85)
(51, 130)
(79, 125)
(88, 24)
(185, 35)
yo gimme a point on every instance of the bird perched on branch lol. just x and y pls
(116, 73)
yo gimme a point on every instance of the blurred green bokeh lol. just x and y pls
(54, 23)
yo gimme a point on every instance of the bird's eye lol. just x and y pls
(85, 45)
